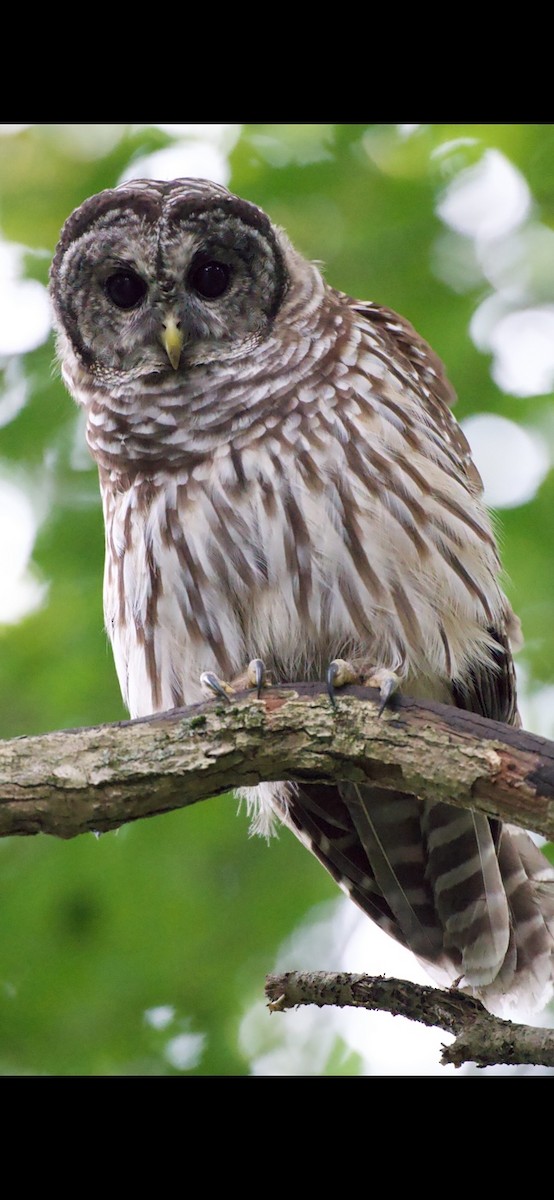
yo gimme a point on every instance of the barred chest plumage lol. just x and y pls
(307, 513)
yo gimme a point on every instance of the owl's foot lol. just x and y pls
(254, 677)
(341, 672)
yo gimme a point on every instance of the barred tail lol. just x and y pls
(472, 899)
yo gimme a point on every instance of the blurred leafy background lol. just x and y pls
(144, 952)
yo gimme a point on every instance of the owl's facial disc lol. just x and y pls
(156, 279)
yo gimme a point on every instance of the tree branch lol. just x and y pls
(71, 782)
(481, 1038)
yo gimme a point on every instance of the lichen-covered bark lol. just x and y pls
(80, 780)
(71, 782)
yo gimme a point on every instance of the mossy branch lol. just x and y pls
(96, 779)
(77, 780)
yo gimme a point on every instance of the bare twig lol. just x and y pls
(481, 1037)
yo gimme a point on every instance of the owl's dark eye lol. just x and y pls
(125, 289)
(210, 279)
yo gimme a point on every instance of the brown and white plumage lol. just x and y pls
(282, 478)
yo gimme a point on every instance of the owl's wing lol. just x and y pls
(469, 897)
(404, 346)
(490, 690)
(417, 365)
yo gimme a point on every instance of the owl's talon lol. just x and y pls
(212, 686)
(388, 683)
(339, 673)
(256, 676)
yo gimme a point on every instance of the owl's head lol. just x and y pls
(152, 276)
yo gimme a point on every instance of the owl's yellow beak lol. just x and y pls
(172, 341)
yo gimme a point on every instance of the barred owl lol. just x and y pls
(282, 480)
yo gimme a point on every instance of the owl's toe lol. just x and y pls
(339, 673)
(213, 686)
(388, 683)
(256, 675)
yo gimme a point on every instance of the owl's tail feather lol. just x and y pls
(526, 977)
(321, 821)
(470, 898)
(464, 873)
(389, 829)
(370, 841)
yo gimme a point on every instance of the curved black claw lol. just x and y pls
(339, 673)
(210, 683)
(387, 690)
(330, 676)
(256, 672)
(388, 683)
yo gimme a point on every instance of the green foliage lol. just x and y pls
(139, 953)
